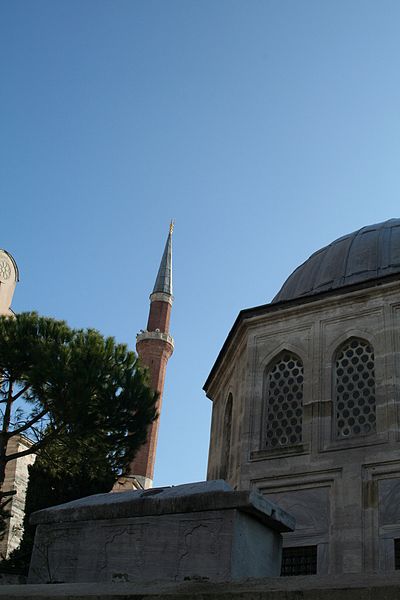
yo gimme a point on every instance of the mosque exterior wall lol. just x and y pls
(340, 474)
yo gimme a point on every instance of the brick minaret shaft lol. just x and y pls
(154, 347)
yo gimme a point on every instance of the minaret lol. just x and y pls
(154, 347)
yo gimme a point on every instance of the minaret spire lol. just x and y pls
(154, 347)
(163, 282)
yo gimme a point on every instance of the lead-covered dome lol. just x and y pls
(368, 253)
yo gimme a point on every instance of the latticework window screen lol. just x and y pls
(284, 401)
(355, 389)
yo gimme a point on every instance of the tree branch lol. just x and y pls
(37, 446)
(7, 412)
(29, 423)
(21, 392)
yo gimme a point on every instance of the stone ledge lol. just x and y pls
(188, 498)
(366, 586)
(155, 335)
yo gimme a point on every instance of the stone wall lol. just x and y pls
(343, 492)
(16, 479)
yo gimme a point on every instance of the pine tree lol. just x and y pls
(74, 389)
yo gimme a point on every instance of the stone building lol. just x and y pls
(9, 277)
(306, 397)
(16, 480)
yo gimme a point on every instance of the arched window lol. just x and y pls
(283, 401)
(354, 383)
(226, 438)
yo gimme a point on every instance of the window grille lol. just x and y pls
(299, 561)
(284, 402)
(396, 554)
(355, 389)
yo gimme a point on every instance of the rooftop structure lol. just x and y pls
(371, 252)
(306, 408)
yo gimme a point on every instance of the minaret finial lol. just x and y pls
(171, 226)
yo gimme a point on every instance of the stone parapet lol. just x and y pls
(155, 335)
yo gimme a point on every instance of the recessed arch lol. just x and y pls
(268, 358)
(283, 401)
(226, 437)
(337, 342)
(354, 388)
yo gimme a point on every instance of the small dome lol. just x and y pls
(368, 253)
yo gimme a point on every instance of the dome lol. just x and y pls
(369, 253)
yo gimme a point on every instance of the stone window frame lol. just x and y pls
(299, 560)
(258, 450)
(299, 482)
(378, 547)
(265, 350)
(328, 442)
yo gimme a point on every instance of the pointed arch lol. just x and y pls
(354, 388)
(226, 438)
(283, 401)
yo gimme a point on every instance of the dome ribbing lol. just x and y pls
(369, 253)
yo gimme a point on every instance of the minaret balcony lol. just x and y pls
(155, 335)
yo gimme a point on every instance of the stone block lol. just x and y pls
(203, 531)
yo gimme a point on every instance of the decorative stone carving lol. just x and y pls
(5, 270)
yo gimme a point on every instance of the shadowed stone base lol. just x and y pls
(202, 531)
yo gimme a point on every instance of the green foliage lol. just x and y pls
(75, 383)
(74, 392)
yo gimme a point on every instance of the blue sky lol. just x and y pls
(265, 128)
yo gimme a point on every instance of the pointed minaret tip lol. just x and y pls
(163, 282)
